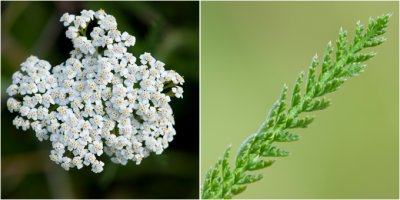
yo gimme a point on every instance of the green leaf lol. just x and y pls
(281, 120)
(299, 123)
(328, 87)
(341, 44)
(286, 136)
(327, 60)
(275, 115)
(317, 104)
(238, 190)
(222, 182)
(377, 26)
(249, 179)
(296, 95)
(361, 57)
(272, 151)
(282, 104)
(259, 164)
(244, 149)
(359, 32)
(332, 85)
(273, 111)
(311, 74)
(374, 42)
(353, 70)
(225, 168)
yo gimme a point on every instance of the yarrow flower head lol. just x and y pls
(100, 100)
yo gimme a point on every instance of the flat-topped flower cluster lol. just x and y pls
(99, 100)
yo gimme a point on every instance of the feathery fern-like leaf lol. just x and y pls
(222, 181)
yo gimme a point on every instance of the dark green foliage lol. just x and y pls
(224, 182)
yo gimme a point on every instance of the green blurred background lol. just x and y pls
(170, 31)
(250, 49)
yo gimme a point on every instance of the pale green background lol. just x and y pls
(250, 49)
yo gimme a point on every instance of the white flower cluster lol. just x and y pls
(99, 100)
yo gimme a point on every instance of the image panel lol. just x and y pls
(250, 50)
(100, 100)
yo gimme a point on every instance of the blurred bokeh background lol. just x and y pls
(170, 31)
(250, 49)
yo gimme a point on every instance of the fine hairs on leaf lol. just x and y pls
(222, 181)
